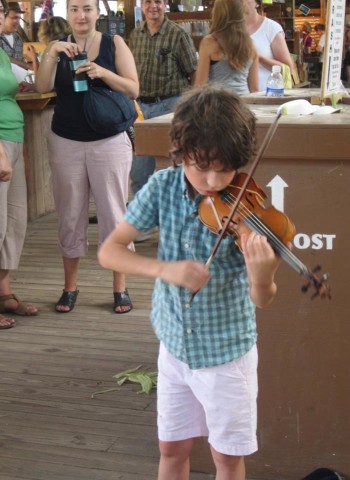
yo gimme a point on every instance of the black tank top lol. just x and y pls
(68, 120)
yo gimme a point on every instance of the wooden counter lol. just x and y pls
(304, 372)
(313, 136)
(34, 101)
(37, 117)
(310, 94)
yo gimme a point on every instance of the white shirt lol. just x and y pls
(321, 44)
(262, 40)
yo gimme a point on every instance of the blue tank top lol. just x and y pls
(222, 73)
(69, 120)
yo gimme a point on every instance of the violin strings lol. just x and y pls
(259, 227)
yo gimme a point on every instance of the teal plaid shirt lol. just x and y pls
(164, 61)
(220, 324)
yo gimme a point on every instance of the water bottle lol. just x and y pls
(275, 83)
(80, 81)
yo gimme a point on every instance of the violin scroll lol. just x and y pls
(321, 288)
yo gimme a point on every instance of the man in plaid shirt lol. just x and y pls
(166, 62)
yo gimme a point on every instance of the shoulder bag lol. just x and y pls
(106, 111)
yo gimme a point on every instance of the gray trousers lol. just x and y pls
(101, 167)
(13, 209)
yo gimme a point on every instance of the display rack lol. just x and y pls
(291, 20)
(195, 23)
(284, 14)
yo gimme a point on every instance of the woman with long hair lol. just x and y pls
(227, 55)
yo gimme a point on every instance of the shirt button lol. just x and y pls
(186, 245)
(189, 331)
(187, 305)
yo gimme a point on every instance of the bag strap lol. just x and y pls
(113, 45)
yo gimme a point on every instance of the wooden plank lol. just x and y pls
(50, 365)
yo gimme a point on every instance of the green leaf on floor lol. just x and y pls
(146, 378)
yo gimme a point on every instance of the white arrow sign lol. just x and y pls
(277, 186)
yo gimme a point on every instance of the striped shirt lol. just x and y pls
(220, 324)
(164, 61)
(15, 51)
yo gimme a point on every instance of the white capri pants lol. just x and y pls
(13, 209)
(102, 166)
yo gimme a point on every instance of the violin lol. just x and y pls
(252, 216)
(242, 210)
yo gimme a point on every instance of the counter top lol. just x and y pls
(310, 94)
(312, 136)
(34, 100)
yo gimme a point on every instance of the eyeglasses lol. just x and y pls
(3, 11)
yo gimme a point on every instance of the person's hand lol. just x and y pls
(186, 274)
(261, 260)
(5, 168)
(69, 48)
(26, 87)
(91, 69)
(31, 55)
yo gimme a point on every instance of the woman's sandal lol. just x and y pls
(67, 299)
(122, 299)
(21, 309)
(6, 322)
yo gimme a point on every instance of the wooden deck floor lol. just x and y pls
(50, 365)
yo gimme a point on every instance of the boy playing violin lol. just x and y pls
(207, 364)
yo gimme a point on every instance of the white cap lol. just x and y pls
(276, 68)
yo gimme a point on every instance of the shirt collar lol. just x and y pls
(188, 192)
(161, 31)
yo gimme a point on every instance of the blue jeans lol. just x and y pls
(143, 167)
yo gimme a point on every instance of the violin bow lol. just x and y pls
(265, 143)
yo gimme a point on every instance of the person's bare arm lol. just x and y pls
(203, 68)
(280, 53)
(33, 58)
(20, 63)
(115, 255)
(262, 264)
(45, 76)
(253, 76)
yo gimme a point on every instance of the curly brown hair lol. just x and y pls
(211, 124)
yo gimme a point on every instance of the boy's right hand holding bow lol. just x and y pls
(115, 255)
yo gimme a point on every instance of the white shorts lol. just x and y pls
(218, 402)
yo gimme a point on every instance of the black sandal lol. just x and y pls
(122, 299)
(67, 299)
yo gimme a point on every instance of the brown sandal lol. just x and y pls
(22, 307)
(6, 322)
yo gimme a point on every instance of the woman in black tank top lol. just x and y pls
(83, 161)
